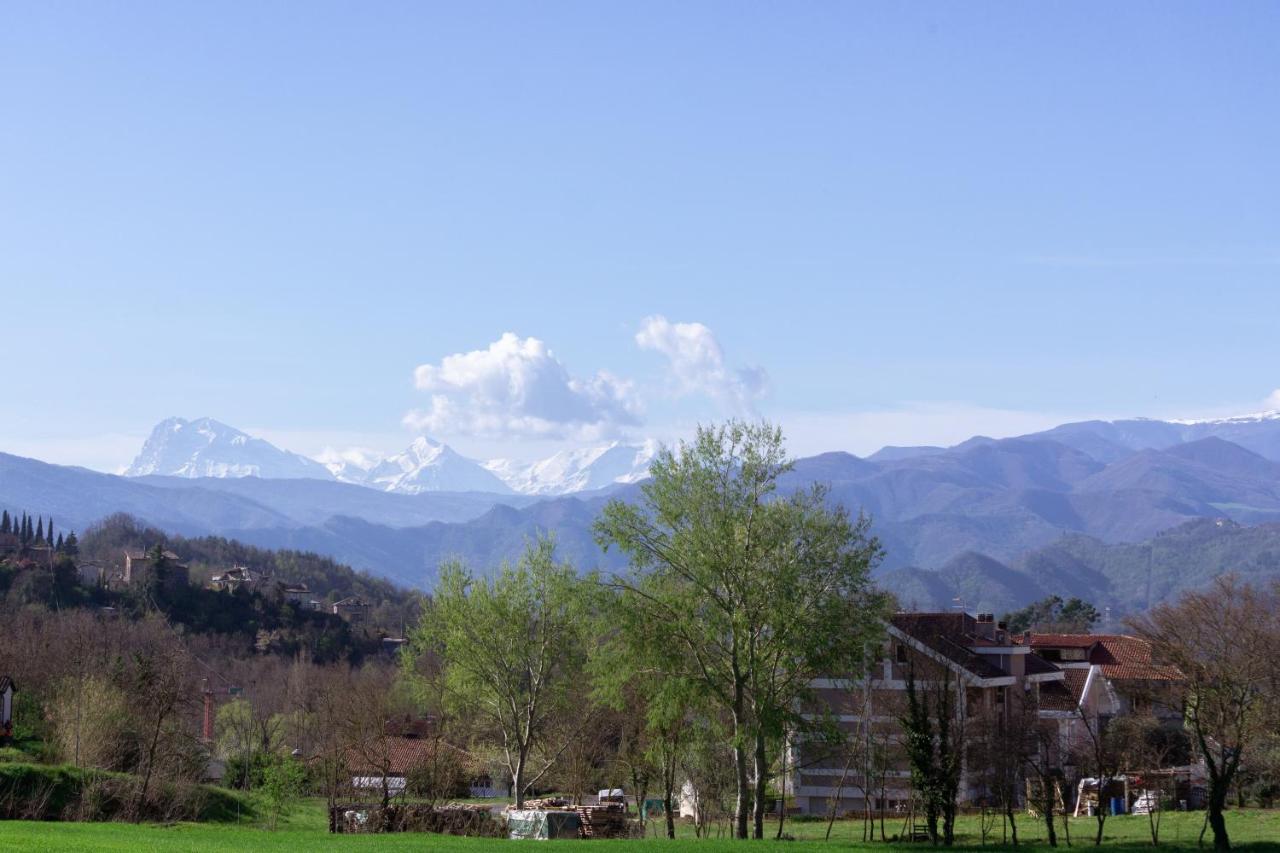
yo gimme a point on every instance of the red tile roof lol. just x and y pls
(1064, 695)
(399, 756)
(1121, 656)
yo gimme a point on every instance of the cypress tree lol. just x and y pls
(71, 545)
(25, 535)
(4, 522)
(58, 546)
(48, 538)
(40, 531)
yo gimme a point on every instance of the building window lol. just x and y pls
(902, 653)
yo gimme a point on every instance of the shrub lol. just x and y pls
(63, 792)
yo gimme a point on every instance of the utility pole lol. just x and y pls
(207, 731)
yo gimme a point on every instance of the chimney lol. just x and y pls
(987, 626)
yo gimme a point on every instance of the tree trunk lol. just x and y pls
(742, 807)
(668, 794)
(762, 780)
(151, 763)
(517, 780)
(835, 802)
(782, 793)
(1217, 802)
(1013, 827)
(1048, 815)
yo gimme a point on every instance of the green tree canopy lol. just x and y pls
(757, 593)
(511, 648)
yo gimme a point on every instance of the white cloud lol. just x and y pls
(516, 387)
(1273, 401)
(698, 364)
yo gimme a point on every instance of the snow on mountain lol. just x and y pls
(429, 466)
(351, 465)
(577, 470)
(207, 448)
(1255, 418)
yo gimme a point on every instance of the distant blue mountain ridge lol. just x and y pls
(980, 521)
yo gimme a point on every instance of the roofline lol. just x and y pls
(1041, 677)
(1088, 683)
(965, 674)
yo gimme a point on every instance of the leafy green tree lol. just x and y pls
(283, 783)
(634, 673)
(511, 648)
(1053, 614)
(931, 740)
(757, 594)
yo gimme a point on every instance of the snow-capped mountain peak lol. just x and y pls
(578, 469)
(207, 448)
(429, 466)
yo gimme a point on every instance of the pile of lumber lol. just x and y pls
(547, 803)
(453, 819)
(605, 821)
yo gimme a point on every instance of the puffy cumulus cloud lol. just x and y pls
(1273, 401)
(698, 364)
(517, 387)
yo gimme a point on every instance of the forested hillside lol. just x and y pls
(85, 573)
(1128, 577)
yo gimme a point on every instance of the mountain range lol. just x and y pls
(972, 520)
(206, 448)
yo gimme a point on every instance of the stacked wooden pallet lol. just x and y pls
(605, 821)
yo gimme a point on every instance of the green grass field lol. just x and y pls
(1252, 830)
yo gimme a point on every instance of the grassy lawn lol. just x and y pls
(1252, 830)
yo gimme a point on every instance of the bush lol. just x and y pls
(282, 784)
(64, 792)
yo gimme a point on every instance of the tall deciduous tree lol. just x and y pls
(511, 648)
(1226, 642)
(760, 594)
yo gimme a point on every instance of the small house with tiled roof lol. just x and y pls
(139, 566)
(1107, 675)
(389, 762)
(354, 609)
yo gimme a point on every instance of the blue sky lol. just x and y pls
(892, 223)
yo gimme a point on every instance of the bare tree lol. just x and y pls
(160, 682)
(1101, 754)
(1226, 643)
(1043, 762)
